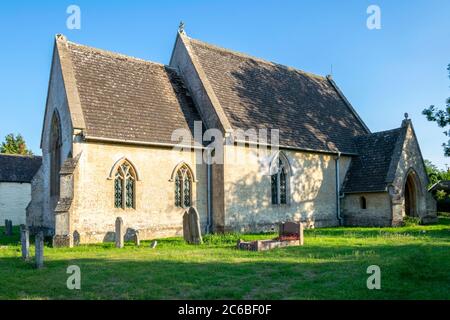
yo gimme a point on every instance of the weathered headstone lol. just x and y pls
(137, 239)
(39, 249)
(119, 232)
(25, 241)
(191, 226)
(301, 234)
(76, 238)
(153, 244)
(8, 228)
(292, 228)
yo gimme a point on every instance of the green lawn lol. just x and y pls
(414, 262)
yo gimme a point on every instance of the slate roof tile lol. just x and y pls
(370, 170)
(17, 168)
(130, 99)
(254, 94)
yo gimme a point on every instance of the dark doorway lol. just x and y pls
(410, 196)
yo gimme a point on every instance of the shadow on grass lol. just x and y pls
(11, 240)
(439, 230)
(408, 272)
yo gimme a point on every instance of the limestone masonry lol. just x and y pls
(109, 153)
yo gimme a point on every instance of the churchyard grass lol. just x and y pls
(414, 262)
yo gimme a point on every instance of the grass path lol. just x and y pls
(414, 262)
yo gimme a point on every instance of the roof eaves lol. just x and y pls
(367, 191)
(70, 83)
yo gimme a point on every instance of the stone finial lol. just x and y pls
(61, 37)
(181, 27)
(406, 121)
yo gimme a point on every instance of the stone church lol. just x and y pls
(109, 151)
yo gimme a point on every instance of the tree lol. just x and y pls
(442, 118)
(15, 145)
(434, 174)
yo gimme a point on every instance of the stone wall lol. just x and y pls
(377, 213)
(247, 183)
(56, 100)
(93, 212)
(34, 209)
(411, 160)
(14, 198)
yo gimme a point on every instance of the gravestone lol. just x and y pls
(8, 228)
(301, 238)
(25, 241)
(76, 238)
(191, 226)
(291, 229)
(119, 233)
(39, 249)
(153, 244)
(137, 239)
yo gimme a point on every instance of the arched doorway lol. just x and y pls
(411, 195)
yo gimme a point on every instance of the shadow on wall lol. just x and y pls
(249, 200)
(308, 112)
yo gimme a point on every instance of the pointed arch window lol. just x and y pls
(280, 180)
(183, 187)
(125, 187)
(55, 154)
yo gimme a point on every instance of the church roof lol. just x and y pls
(374, 167)
(309, 110)
(17, 168)
(129, 99)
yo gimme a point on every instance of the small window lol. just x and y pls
(363, 202)
(183, 187)
(280, 181)
(125, 187)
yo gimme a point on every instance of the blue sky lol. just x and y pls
(384, 73)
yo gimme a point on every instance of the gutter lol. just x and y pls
(280, 146)
(142, 143)
(209, 222)
(338, 190)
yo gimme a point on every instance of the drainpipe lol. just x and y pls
(338, 190)
(208, 193)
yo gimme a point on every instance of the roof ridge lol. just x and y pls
(20, 155)
(248, 56)
(380, 132)
(114, 54)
